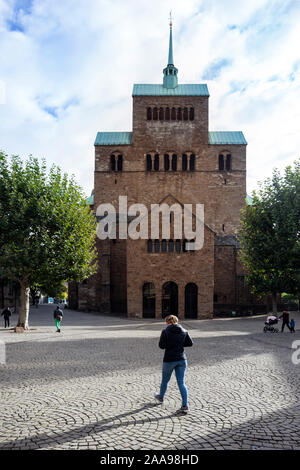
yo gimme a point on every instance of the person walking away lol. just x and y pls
(58, 316)
(285, 320)
(292, 325)
(6, 314)
(173, 340)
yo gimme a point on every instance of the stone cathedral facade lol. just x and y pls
(170, 156)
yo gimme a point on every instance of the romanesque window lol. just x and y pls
(228, 162)
(171, 246)
(184, 246)
(173, 114)
(149, 246)
(166, 162)
(149, 162)
(156, 162)
(156, 246)
(112, 163)
(174, 162)
(184, 162)
(164, 246)
(192, 162)
(120, 163)
(221, 162)
(178, 246)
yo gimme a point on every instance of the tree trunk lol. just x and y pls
(24, 305)
(274, 303)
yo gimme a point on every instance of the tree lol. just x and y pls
(47, 232)
(270, 235)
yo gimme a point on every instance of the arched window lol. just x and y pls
(148, 300)
(179, 114)
(113, 163)
(167, 115)
(174, 162)
(167, 161)
(149, 162)
(221, 162)
(192, 114)
(184, 162)
(164, 246)
(185, 114)
(228, 162)
(178, 246)
(171, 246)
(149, 114)
(192, 162)
(173, 114)
(155, 114)
(149, 246)
(156, 246)
(161, 114)
(120, 163)
(156, 162)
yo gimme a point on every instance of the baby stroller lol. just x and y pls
(271, 320)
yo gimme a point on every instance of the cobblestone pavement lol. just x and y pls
(91, 386)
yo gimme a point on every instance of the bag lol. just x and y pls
(59, 317)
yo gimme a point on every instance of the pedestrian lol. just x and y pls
(58, 315)
(173, 340)
(285, 320)
(6, 314)
(292, 325)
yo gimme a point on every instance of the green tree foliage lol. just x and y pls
(47, 232)
(270, 235)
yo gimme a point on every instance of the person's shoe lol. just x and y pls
(58, 330)
(157, 397)
(183, 410)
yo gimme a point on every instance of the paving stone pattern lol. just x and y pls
(91, 386)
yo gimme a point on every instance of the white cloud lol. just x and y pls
(69, 68)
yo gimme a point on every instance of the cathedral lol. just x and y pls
(170, 157)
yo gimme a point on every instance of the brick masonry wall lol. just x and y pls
(222, 193)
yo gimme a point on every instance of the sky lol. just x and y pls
(67, 70)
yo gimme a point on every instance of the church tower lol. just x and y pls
(170, 156)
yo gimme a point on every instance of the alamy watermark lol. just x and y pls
(296, 354)
(2, 353)
(2, 92)
(136, 222)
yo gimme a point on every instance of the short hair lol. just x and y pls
(171, 319)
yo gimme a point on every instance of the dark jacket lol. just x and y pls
(174, 339)
(6, 313)
(285, 317)
(57, 312)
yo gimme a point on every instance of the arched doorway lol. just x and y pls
(169, 299)
(148, 300)
(191, 300)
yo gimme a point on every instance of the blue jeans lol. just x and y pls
(167, 370)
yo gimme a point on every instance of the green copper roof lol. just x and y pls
(113, 138)
(160, 90)
(170, 72)
(227, 138)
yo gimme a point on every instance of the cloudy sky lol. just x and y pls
(67, 69)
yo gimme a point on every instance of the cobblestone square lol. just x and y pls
(91, 386)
